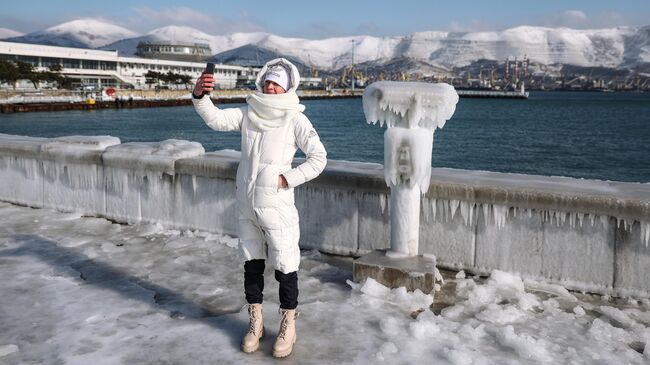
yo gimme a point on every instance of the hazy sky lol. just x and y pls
(327, 18)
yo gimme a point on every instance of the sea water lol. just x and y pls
(580, 134)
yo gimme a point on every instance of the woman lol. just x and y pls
(272, 127)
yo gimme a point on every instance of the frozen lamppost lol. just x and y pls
(412, 111)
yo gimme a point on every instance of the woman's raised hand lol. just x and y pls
(204, 84)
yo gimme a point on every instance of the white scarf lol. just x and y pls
(269, 111)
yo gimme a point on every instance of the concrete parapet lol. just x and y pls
(585, 234)
(22, 171)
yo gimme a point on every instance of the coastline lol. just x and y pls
(130, 103)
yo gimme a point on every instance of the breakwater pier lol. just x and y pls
(152, 100)
(119, 103)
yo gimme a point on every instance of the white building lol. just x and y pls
(95, 68)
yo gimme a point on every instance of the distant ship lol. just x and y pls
(502, 94)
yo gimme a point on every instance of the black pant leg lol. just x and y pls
(288, 289)
(254, 281)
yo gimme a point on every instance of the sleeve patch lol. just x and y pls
(312, 133)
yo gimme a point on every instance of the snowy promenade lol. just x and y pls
(80, 290)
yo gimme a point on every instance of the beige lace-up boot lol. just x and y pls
(251, 341)
(287, 334)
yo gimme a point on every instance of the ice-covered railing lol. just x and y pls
(585, 234)
(412, 111)
(140, 179)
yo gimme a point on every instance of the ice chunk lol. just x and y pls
(501, 315)
(93, 143)
(603, 331)
(374, 289)
(424, 328)
(503, 279)
(408, 301)
(524, 345)
(8, 349)
(558, 290)
(409, 104)
(387, 348)
(617, 315)
(156, 156)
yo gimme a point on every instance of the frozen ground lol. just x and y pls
(87, 291)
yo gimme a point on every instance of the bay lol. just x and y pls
(602, 136)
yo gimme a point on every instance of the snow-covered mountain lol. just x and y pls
(619, 47)
(637, 48)
(612, 48)
(82, 33)
(218, 44)
(8, 33)
(252, 55)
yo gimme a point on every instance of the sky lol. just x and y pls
(322, 19)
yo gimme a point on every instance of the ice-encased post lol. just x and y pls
(412, 111)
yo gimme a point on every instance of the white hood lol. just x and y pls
(292, 71)
(269, 111)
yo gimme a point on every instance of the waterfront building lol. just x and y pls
(91, 68)
(96, 69)
(175, 51)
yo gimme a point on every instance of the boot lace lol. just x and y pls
(283, 327)
(253, 320)
(285, 323)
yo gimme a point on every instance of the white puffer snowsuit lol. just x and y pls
(272, 128)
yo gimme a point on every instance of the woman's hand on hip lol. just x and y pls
(282, 182)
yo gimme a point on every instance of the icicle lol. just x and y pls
(603, 220)
(382, 202)
(485, 213)
(645, 232)
(455, 204)
(425, 208)
(464, 212)
(194, 184)
(444, 210)
(471, 213)
(434, 210)
(500, 215)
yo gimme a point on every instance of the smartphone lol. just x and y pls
(209, 69)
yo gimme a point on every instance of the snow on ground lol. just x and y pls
(80, 290)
